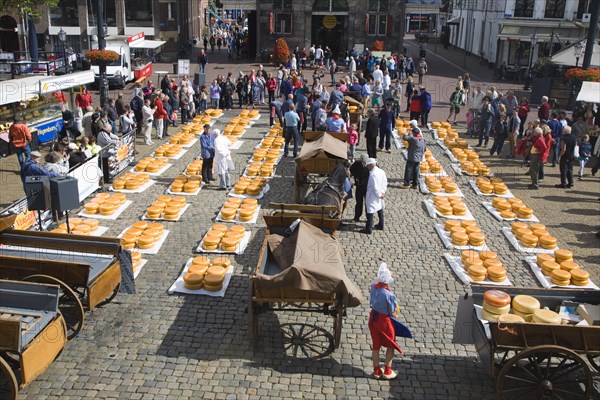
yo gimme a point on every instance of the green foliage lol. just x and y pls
(30, 7)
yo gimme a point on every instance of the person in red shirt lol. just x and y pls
(536, 153)
(524, 110)
(20, 136)
(159, 115)
(544, 110)
(415, 105)
(84, 99)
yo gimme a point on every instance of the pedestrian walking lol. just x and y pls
(376, 188)
(455, 101)
(415, 152)
(371, 133)
(360, 172)
(566, 157)
(202, 60)
(422, 70)
(500, 135)
(523, 112)
(384, 307)
(207, 152)
(20, 137)
(353, 139)
(535, 152)
(486, 115)
(386, 124)
(409, 92)
(215, 94)
(514, 123)
(159, 116)
(585, 152)
(415, 105)
(148, 119)
(222, 161)
(426, 106)
(291, 119)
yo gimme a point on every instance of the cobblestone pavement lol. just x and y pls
(153, 345)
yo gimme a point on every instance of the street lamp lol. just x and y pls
(529, 76)
(578, 48)
(62, 36)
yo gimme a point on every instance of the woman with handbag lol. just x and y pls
(383, 309)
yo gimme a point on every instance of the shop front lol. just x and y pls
(421, 23)
(331, 30)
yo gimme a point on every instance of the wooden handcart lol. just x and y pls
(281, 214)
(32, 333)
(87, 269)
(531, 360)
(317, 159)
(273, 286)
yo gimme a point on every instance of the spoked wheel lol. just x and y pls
(69, 304)
(9, 386)
(545, 372)
(338, 315)
(306, 341)
(111, 297)
(594, 361)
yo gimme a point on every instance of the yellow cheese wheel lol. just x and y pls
(496, 273)
(488, 254)
(201, 260)
(510, 318)
(488, 316)
(496, 297)
(543, 316)
(526, 317)
(566, 265)
(496, 309)
(525, 304)
(563, 255)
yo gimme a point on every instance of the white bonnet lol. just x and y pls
(384, 275)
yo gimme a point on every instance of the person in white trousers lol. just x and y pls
(148, 118)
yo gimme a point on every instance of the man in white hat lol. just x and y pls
(336, 123)
(376, 188)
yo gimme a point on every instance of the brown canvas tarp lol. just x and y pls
(326, 146)
(310, 260)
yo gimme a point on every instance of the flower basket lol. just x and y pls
(281, 52)
(378, 45)
(581, 75)
(102, 57)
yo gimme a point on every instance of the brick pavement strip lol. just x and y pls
(155, 346)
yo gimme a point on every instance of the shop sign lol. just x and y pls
(47, 130)
(123, 156)
(25, 220)
(329, 21)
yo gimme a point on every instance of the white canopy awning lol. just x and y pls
(590, 92)
(567, 56)
(147, 44)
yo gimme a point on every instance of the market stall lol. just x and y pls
(38, 101)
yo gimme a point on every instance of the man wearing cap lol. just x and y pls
(207, 152)
(416, 150)
(31, 168)
(386, 122)
(336, 123)
(360, 172)
(376, 188)
(20, 136)
(291, 119)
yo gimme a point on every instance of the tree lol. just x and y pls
(281, 52)
(31, 7)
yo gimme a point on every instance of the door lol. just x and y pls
(9, 39)
(330, 30)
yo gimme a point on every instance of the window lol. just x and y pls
(169, 10)
(64, 14)
(379, 23)
(110, 15)
(555, 9)
(583, 8)
(330, 5)
(524, 8)
(138, 13)
(282, 10)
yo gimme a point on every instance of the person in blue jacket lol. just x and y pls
(31, 167)
(425, 106)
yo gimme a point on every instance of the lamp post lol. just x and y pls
(62, 36)
(529, 76)
(578, 51)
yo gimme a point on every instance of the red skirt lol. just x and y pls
(382, 331)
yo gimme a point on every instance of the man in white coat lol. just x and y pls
(223, 161)
(376, 188)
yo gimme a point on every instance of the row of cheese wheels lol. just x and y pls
(182, 138)
(207, 275)
(463, 233)
(130, 181)
(561, 268)
(450, 205)
(249, 185)
(168, 150)
(223, 238)
(167, 207)
(533, 235)
(105, 203)
(491, 185)
(475, 168)
(431, 165)
(465, 154)
(483, 265)
(275, 131)
(78, 226)
(445, 183)
(243, 209)
(497, 308)
(186, 184)
(142, 235)
(151, 164)
(512, 208)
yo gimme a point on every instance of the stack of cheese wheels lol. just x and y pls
(214, 112)
(276, 131)
(249, 186)
(167, 207)
(194, 168)
(491, 185)
(230, 208)
(130, 181)
(444, 183)
(434, 166)
(168, 150)
(215, 275)
(186, 184)
(482, 264)
(495, 304)
(560, 277)
(104, 203)
(141, 235)
(194, 278)
(78, 226)
(136, 260)
(543, 316)
(219, 236)
(182, 138)
(151, 164)
(546, 263)
(450, 205)
(524, 306)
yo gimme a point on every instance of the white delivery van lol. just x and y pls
(135, 58)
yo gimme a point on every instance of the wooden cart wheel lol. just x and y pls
(111, 297)
(338, 315)
(69, 304)
(306, 341)
(545, 372)
(9, 386)
(594, 361)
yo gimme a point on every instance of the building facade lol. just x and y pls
(503, 29)
(339, 24)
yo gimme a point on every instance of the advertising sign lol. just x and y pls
(47, 130)
(124, 155)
